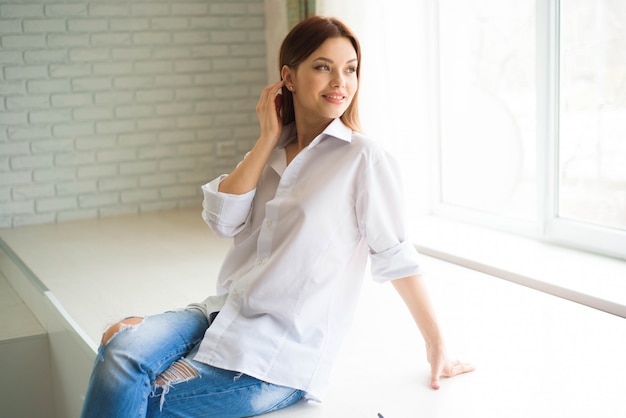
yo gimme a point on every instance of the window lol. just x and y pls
(487, 98)
(532, 118)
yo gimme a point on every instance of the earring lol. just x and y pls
(290, 88)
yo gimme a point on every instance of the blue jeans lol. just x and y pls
(142, 371)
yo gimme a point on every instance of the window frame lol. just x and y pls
(549, 227)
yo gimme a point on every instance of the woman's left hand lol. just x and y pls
(442, 366)
(413, 292)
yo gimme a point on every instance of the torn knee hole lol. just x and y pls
(179, 371)
(120, 326)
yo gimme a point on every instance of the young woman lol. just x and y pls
(307, 206)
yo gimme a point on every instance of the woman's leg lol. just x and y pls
(131, 358)
(214, 392)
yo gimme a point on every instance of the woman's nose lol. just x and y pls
(338, 80)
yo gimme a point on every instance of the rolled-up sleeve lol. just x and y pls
(395, 263)
(225, 213)
(380, 212)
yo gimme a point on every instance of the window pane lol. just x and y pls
(488, 111)
(592, 133)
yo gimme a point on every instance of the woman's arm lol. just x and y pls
(245, 177)
(415, 296)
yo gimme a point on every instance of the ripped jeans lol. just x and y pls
(143, 371)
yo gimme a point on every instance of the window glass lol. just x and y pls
(488, 106)
(592, 112)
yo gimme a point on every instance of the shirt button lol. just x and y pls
(259, 261)
(236, 296)
(268, 224)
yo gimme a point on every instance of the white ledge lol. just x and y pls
(590, 279)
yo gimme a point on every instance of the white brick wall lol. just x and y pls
(109, 108)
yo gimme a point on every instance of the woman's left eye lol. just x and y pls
(351, 69)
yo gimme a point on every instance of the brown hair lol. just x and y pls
(302, 41)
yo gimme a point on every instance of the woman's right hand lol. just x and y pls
(246, 175)
(268, 112)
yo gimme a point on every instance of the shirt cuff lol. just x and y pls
(395, 263)
(225, 211)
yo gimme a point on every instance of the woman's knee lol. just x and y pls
(119, 326)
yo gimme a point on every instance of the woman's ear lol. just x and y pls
(286, 74)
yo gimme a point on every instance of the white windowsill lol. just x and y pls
(590, 279)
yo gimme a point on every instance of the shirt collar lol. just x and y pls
(336, 129)
(339, 130)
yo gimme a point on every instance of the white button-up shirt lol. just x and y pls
(290, 282)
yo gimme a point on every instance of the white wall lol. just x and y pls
(123, 107)
(276, 29)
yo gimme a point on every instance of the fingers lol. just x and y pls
(436, 370)
(278, 102)
(273, 89)
(271, 98)
(268, 111)
(457, 367)
(452, 369)
(269, 94)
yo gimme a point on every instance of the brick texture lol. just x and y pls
(123, 107)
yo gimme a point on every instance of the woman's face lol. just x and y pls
(325, 83)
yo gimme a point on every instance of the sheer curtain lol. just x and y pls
(397, 82)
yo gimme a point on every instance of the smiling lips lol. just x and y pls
(337, 98)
